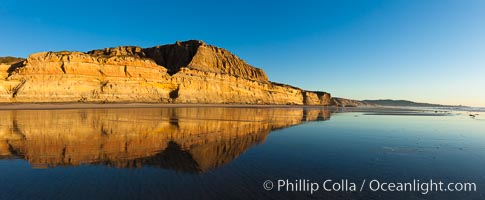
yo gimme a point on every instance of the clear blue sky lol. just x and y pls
(421, 50)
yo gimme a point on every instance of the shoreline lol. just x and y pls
(75, 105)
(118, 105)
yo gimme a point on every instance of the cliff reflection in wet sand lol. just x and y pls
(191, 140)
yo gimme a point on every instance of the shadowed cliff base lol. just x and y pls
(184, 72)
(191, 140)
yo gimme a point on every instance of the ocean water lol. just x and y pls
(239, 153)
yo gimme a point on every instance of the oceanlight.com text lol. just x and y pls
(344, 185)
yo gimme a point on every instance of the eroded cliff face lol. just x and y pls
(182, 139)
(316, 98)
(184, 72)
(76, 76)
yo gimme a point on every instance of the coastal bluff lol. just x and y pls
(184, 72)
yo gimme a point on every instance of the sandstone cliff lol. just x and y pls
(184, 72)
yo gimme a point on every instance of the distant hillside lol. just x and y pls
(342, 102)
(9, 60)
(390, 102)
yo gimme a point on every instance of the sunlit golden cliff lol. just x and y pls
(184, 72)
